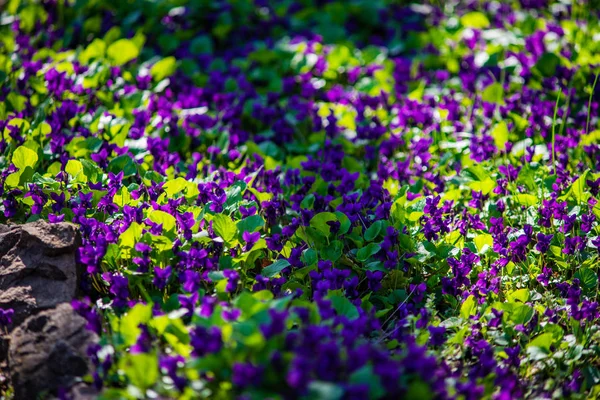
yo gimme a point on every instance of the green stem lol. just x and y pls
(587, 123)
(554, 132)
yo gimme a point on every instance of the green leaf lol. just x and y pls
(91, 170)
(122, 51)
(366, 376)
(592, 376)
(225, 228)
(494, 93)
(500, 135)
(536, 353)
(475, 20)
(483, 242)
(175, 186)
(309, 257)
(476, 173)
(168, 43)
(367, 251)
(24, 157)
(555, 330)
(246, 303)
(518, 313)
(131, 236)
(163, 69)
(252, 223)
(547, 64)
(95, 50)
(579, 188)
(129, 324)
(168, 221)
(263, 295)
(275, 268)
(344, 222)
(216, 276)
(587, 278)
(320, 220)
(521, 295)
(174, 331)
(333, 251)
(141, 369)
(373, 231)
(468, 307)
(543, 341)
(324, 391)
(75, 169)
(13, 179)
(343, 306)
(18, 102)
(524, 199)
(418, 93)
(418, 389)
(479, 179)
(520, 122)
(235, 194)
(161, 243)
(308, 201)
(122, 163)
(201, 45)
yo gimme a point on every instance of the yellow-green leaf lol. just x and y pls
(160, 217)
(543, 341)
(483, 242)
(500, 135)
(130, 236)
(96, 49)
(468, 308)
(475, 20)
(24, 157)
(521, 295)
(122, 51)
(225, 228)
(526, 199)
(75, 169)
(494, 93)
(485, 186)
(163, 69)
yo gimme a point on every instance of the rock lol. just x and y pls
(48, 351)
(83, 391)
(38, 267)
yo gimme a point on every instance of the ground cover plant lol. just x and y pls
(316, 199)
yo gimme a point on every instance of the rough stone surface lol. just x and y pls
(38, 267)
(48, 351)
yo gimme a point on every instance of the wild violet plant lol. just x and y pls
(316, 199)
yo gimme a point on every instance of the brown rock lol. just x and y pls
(48, 351)
(38, 267)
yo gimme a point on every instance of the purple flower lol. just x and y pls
(246, 374)
(247, 211)
(143, 343)
(543, 242)
(142, 247)
(6, 316)
(191, 281)
(55, 219)
(118, 287)
(436, 335)
(277, 324)
(205, 340)
(189, 302)
(161, 276)
(232, 280)
(250, 238)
